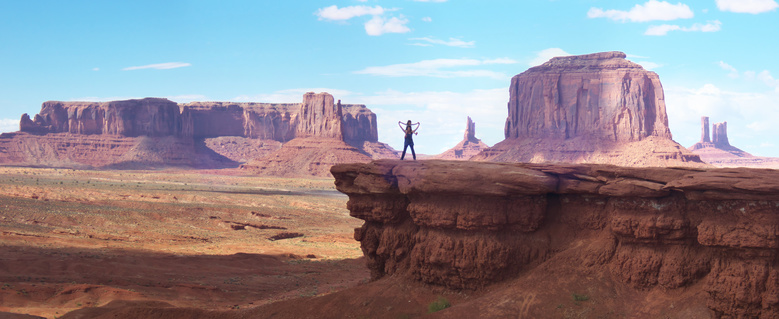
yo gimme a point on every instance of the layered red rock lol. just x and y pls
(571, 107)
(468, 147)
(206, 125)
(472, 224)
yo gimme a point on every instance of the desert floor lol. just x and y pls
(71, 239)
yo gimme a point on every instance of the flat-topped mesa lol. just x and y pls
(316, 116)
(599, 96)
(141, 117)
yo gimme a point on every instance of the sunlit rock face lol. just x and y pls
(599, 95)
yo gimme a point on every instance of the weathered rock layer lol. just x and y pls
(471, 224)
(571, 107)
(110, 133)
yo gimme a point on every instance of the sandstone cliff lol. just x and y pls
(718, 151)
(645, 242)
(571, 107)
(218, 132)
(467, 148)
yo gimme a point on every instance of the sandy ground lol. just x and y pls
(214, 240)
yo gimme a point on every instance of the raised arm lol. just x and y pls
(417, 124)
(401, 126)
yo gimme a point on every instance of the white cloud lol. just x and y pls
(649, 65)
(95, 69)
(769, 80)
(453, 42)
(660, 30)
(727, 67)
(9, 125)
(434, 68)
(651, 10)
(430, 0)
(747, 6)
(159, 66)
(346, 13)
(379, 25)
(427, 19)
(546, 54)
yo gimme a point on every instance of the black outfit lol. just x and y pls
(409, 141)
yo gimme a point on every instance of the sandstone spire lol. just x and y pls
(720, 138)
(705, 129)
(470, 130)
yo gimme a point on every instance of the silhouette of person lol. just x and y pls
(409, 140)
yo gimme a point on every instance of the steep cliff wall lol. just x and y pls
(471, 224)
(599, 94)
(145, 117)
(316, 116)
(594, 108)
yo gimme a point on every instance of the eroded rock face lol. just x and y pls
(600, 95)
(211, 129)
(470, 224)
(317, 116)
(588, 109)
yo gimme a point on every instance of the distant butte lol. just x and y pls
(154, 132)
(468, 147)
(594, 108)
(716, 150)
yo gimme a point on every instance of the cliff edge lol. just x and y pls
(648, 242)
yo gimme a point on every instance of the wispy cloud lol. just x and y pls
(747, 6)
(427, 19)
(546, 54)
(159, 66)
(9, 125)
(378, 25)
(346, 13)
(430, 0)
(436, 68)
(727, 67)
(652, 10)
(453, 42)
(660, 30)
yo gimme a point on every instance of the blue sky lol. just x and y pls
(430, 61)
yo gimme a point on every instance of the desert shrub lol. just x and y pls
(440, 304)
(578, 297)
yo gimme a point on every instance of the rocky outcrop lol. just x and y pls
(131, 118)
(601, 95)
(472, 224)
(219, 129)
(594, 103)
(467, 148)
(718, 151)
(316, 116)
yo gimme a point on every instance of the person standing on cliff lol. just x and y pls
(409, 141)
